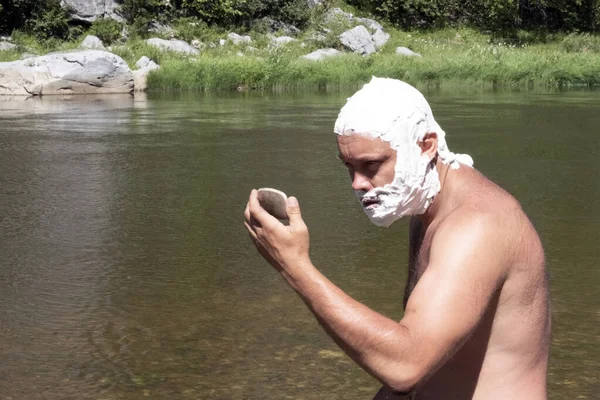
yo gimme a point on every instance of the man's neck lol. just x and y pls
(441, 204)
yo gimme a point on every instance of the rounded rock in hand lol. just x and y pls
(273, 201)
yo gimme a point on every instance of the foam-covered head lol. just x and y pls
(397, 113)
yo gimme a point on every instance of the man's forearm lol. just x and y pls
(381, 346)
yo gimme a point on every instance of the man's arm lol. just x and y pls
(445, 307)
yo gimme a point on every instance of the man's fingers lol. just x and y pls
(294, 214)
(261, 216)
(251, 231)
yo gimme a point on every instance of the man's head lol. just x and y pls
(389, 140)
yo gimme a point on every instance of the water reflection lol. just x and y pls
(126, 273)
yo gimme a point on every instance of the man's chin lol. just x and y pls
(380, 219)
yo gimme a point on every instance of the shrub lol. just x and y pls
(575, 43)
(140, 13)
(51, 23)
(107, 29)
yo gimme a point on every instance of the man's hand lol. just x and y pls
(284, 247)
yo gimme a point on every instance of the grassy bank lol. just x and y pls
(462, 56)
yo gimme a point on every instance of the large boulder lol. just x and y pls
(321, 54)
(91, 10)
(92, 42)
(178, 46)
(359, 40)
(140, 75)
(79, 72)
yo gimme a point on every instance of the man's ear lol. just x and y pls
(429, 145)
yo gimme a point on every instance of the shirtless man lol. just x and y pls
(477, 317)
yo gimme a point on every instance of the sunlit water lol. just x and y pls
(126, 273)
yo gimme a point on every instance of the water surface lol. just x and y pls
(126, 273)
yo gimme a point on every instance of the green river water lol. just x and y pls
(126, 272)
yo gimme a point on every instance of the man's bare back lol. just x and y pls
(506, 356)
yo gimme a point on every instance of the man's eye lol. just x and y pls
(372, 164)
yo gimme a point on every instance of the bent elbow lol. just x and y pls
(406, 382)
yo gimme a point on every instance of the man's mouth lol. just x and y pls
(369, 202)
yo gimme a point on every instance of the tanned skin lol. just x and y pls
(476, 323)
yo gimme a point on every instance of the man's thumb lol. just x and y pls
(293, 211)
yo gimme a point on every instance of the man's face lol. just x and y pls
(370, 162)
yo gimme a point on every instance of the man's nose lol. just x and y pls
(361, 182)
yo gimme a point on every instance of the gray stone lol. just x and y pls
(175, 45)
(405, 51)
(359, 40)
(279, 26)
(142, 62)
(370, 23)
(321, 54)
(338, 15)
(314, 3)
(140, 75)
(197, 44)
(282, 40)
(222, 42)
(4, 46)
(79, 72)
(238, 39)
(380, 38)
(92, 42)
(90, 10)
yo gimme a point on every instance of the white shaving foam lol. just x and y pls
(397, 113)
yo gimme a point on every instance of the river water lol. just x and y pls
(126, 272)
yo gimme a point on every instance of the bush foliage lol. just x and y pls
(489, 15)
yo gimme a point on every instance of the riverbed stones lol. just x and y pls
(405, 51)
(92, 42)
(91, 10)
(78, 72)
(359, 40)
(175, 45)
(321, 54)
(239, 39)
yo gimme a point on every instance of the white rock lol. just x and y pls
(91, 10)
(79, 72)
(175, 45)
(222, 42)
(359, 40)
(370, 23)
(321, 54)
(197, 44)
(380, 38)
(4, 46)
(282, 40)
(404, 51)
(140, 76)
(142, 62)
(92, 42)
(238, 39)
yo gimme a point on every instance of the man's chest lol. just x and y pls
(419, 249)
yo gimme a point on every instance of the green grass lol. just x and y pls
(461, 56)
(453, 56)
